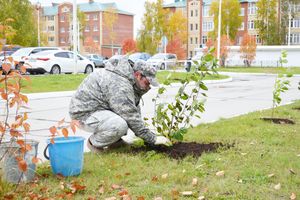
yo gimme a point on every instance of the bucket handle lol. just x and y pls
(45, 152)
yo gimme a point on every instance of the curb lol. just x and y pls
(253, 74)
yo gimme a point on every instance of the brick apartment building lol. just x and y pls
(57, 26)
(200, 22)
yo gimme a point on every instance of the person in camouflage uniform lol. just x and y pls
(107, 103)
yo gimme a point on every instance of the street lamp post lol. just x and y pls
(38, 7)
(219, 32)
(75, 35)
(290, 20)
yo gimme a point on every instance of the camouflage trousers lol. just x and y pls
(106, 126)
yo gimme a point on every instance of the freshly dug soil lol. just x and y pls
(182, 149)
(278, 120)
(297, 108)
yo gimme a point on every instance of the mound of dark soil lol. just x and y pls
(182, 149)
(278, 120)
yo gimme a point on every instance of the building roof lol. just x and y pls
(86, 7)
(178, 4)
(208, 2)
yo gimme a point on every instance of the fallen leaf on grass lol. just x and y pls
(187, 193)
(126, 197)
(293, 196)
(164, 176)
(240, 181)
(111, 198)
(298, 155)
(91, 198)
(277, 187)
(292, 171)
(243, 154)
(101, 189)
(158, 198)
(115, 186)
(201, 198)
(220, 173)
(174, 193)
(140, 198)
(76, 187)
(123, 192)
(9, 196)
(194, 182)
(271, 175)
(154, 178)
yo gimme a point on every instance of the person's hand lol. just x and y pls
(162, 140)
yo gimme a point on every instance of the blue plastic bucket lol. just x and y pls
(65, 155)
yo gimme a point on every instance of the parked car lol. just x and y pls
(56, 62)
(162, 60)
(21, 55)
(96, 59)
(6, 53)
(139, 55)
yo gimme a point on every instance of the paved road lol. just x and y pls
(245, 93)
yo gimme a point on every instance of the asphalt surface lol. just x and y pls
(241, 94)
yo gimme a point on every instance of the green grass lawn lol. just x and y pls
(271, 70)
(67, 82)
(264, 155)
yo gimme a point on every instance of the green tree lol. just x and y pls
(22, 13)
(154, 26)
(177, 27)
(267, 22)
(231, 19)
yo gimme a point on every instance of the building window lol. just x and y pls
(95, 27)
(251, 25)
(242, 27)
(208, 26)
(242, 12)
(296, 8)
(191, 40)
(50, 18)
(191, 27)
(95, 17)
(196, 40)
(62, 40)
(87, 28)
(204, 39)
(50, 28)
(87, 17)
(62, 29)
(252, 8)
(294, 38)
(191, 54)
(95, 39)
(205, 11)
(295, 23)
(196, 27)
(62, 18)
(50, 39)
(192, 13)
(196, 13)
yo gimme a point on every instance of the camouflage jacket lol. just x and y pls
(112, 89)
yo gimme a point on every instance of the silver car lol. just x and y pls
(163, 60)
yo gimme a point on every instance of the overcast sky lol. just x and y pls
(134, 6)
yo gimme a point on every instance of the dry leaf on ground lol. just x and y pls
(271, 175)
(220, 173)
(158, 198)
(111, 198)
(101, 189)
(187, 193)
(292, 171)
(201, 198)
(293, 196)
(194, 182)
(164, 176)
(115, 186)
(277, 187)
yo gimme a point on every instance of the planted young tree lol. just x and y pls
(281, 85)
(173, 119)
(248, 49)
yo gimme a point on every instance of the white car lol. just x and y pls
(21, 55)
(58, 61)
(163, 60)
